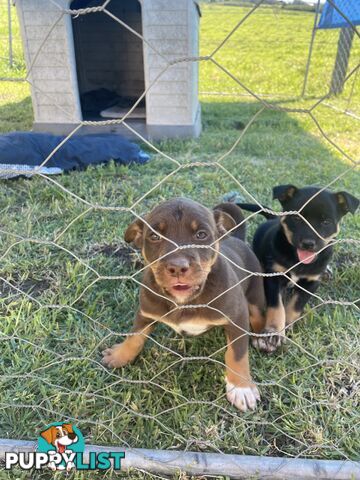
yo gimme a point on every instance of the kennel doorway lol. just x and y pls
(109, 60)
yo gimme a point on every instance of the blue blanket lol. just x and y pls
(22, 152)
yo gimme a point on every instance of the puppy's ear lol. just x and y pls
(134, 233)
(224, 221)
(49, 435)
(347, 202)
(68, 427)
(284, 193)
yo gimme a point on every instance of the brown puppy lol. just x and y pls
(218, 289)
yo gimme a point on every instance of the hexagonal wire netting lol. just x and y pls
(139, 411)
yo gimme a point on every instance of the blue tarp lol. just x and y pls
(331, 18)
(22, 152)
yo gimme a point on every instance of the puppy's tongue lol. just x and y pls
(61, 448)
(305, 256)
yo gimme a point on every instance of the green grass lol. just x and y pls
(50, 343)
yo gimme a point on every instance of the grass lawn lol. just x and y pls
(52, 335)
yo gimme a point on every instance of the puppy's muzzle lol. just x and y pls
(177, 266)
(308, 244)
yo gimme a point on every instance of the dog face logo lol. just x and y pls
(63, 440)
(60, 436)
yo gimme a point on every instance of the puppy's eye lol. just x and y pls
(154, 237)
(201, 235)
(58, 435)
(326, 222)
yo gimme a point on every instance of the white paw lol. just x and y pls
(243, 398)
(269, 343)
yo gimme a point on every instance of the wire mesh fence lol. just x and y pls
(70, 286)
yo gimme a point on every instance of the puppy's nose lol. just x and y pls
(72, 436)
(178, 266)
(308, 244)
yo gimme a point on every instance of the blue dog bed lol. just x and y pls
(22, 152)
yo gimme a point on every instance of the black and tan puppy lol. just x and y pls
(292, 241)
(195, 274)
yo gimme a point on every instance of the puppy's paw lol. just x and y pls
(270, 343)
(243, 398)
(70, 466)
(117, 356)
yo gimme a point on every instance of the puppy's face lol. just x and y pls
(60, 436)
(323, 213)
(181, 272)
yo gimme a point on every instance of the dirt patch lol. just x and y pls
(125, 254)
(343, 260)
(30, 286)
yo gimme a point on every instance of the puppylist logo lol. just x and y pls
(61, 446)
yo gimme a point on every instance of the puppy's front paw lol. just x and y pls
(243, 398)
(270, 343)
(117, 356)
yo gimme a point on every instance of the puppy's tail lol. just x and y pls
(252, 207)
(232, 210)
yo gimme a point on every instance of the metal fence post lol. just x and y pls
(311, 48)
(11, 56)
(342, 60)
